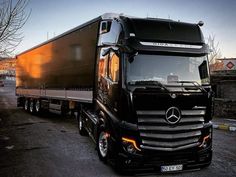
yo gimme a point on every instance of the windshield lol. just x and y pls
(168, 70)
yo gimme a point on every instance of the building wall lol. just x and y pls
(225, 108)
(223, 79)
(7, 66)
(7, 71)
(224, 87)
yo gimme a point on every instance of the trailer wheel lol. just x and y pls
(82, 130)
(103, 145)
(26, 105)
(31, 106)
(37, 107)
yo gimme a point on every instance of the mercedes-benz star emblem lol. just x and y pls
(173, 115)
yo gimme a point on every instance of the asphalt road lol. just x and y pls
(50, 146)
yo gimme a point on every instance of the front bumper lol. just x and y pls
(190, 159)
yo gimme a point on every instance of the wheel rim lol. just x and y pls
(80, 123)
(31, 106)
(103, 144)
(37, 106)
(26, 104)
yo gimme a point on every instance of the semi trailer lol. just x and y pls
(139, 87)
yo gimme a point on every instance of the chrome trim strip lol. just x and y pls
(170, 144)
(161, 44)
(171, 136)
(171, 128)
(162, 120)
(76, 95)
(183, 112)
(151, 112)
(192, 112)
(170, 149)
(199, 107)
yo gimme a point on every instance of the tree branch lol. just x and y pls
(12, 19)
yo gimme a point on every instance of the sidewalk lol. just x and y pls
(224, 124)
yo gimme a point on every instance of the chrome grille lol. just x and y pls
(157, 134)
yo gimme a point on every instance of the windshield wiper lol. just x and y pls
(149, 84)
(195, 83)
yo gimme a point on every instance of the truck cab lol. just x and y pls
(153, 98)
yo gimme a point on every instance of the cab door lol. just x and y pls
(108, 78)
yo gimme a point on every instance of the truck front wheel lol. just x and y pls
(103, 145)
(108, 151)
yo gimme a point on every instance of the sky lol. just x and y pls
(50, 18)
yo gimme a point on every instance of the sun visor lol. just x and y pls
(165, 31)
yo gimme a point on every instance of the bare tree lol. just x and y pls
(215, 50)
(12, 18)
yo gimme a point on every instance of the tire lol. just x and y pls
(31, 107)
(103, 145)
(37, 107)
(26, 105)
(82, 130)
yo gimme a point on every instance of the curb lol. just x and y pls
(224, 127)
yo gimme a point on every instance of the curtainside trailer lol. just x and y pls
(140, 88)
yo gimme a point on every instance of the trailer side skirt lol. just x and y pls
(75, 95)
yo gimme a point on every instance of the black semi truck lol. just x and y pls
(140, 88)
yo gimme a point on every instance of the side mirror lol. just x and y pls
(203, 70)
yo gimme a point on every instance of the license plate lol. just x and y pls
(171, 168)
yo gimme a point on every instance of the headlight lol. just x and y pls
(205, 141)
(130, 145)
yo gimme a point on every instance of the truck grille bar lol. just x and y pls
(157, 134)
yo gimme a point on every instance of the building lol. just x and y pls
(223, 78)
(7, 68)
